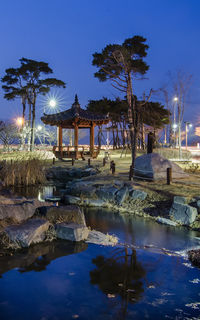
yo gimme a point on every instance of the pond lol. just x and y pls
(137, 279)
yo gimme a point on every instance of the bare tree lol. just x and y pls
(9, 134)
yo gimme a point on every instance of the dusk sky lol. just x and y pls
(66, 33)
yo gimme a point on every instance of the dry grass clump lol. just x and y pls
(170, 153)
(21, 171)
(5, 242)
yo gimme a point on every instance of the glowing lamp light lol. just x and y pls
(175, 99)
(20, 121)
(52, 103)
(190, 125)
(39, 128)
(174, 125)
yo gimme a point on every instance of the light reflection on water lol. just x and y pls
(64, 280)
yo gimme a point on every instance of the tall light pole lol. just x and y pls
(175, 100)
(54, 105)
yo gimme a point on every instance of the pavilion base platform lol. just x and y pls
(73, 152)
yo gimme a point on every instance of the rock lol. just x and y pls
(31, 231)
(107, 193)
(198, 206)
(64, 174)
(183, 213)
(84, 191)
(94, 203)
(118, 183)
(71, 200)
(153, 166)
(72, 231)
(194, 257)
(166, 221)
(53, 199)
(68, 214)
(180, 199)
(122, 195)
(138, 194)
(20, 211)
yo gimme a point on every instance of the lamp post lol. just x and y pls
(175, 100)
(186, 132)
(54, 105)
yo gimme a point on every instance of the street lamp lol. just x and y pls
(19, 122)
(175, 99)
(186, 131)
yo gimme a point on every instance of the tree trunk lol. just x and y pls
(29, 128)
(22, 140)
(33, 126)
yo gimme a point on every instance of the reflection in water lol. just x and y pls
(37, 257)
(121, 274)
(140, 232)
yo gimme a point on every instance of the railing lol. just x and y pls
(74, 151)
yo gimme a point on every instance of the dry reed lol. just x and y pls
(22, 171)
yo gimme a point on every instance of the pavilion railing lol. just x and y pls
(74, 151)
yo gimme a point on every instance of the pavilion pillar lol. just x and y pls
(92, 140)
(60, 141)
(76, 140)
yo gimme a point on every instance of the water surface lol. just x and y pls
(63, 280)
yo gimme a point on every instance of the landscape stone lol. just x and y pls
(107, 193)
(183, 213)
(194, 257)
(154, 166)
(20, 211)
(31, 231)
(68, 214)
(198, 205)
(71, 200)
(72, 231)
(95, 203)
(166, 221)
(138, 194)
(122, 195)
(180, 199)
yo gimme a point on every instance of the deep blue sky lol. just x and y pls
(65, 33)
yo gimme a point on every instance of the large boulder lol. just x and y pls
(20, 210)
(154, 166)
(183, 213)
(72, 231)
(68, 214)
(31, 231)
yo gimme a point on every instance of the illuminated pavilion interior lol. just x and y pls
(75, 118)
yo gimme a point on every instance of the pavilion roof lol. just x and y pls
(67, 117)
